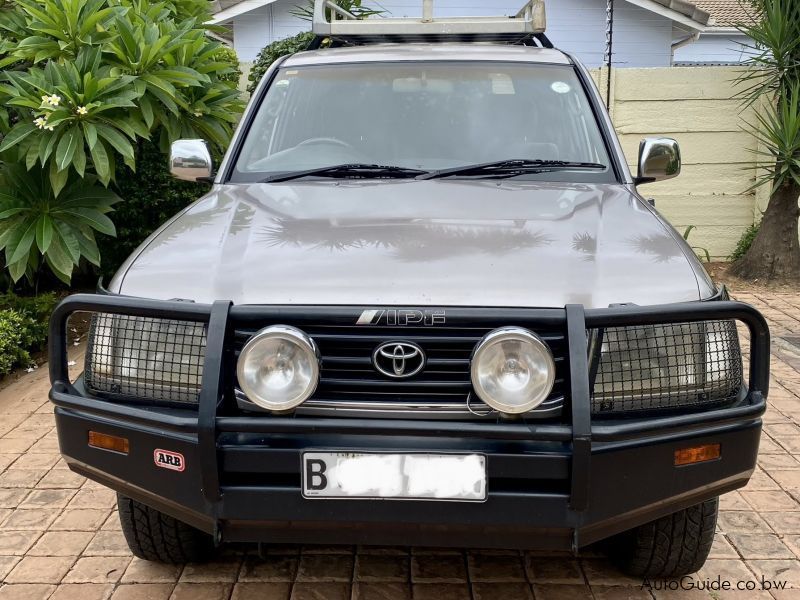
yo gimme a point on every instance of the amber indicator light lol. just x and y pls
(108, 442)
(697, 454)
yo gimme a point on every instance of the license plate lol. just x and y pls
(410, 476)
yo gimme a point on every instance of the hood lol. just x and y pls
(417, 243)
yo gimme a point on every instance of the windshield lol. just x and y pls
(426, 116)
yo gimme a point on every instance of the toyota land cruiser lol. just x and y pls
(423, 303)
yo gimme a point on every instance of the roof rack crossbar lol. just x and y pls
(529, 20)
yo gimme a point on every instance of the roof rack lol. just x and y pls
(528, 23)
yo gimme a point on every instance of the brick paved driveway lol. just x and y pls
(60, 538)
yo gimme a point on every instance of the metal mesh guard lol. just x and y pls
(142, 357)
(667, 366)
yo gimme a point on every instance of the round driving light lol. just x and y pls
(278, 367)
(512, 370)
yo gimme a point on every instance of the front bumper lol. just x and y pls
(551, 486)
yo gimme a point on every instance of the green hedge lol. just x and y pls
(269, 54)
(23, 328)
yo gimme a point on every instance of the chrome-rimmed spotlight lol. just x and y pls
(512, 370)
(279, 367)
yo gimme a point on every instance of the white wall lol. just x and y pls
(714, 48)
(641, 38)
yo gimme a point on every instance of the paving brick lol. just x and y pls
(491, 568)
(261, 591)
(145, 571)
(325, 567)
(30, 519)
(441, 591)
(438, 569)
(737, 521)
(759, 545)
(562, 592)
(379, 567)
(97, 569)
(40, 569)
(220, 571)
(269, 568)
(25, 591)
(61, 543)
(504, 590)
(143, 591)
(381, 591)
(82, 591)
(108, 543)
(80, 519)
(201, 591)
(307, 590)
(554, 570)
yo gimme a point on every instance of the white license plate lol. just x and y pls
(411, 476)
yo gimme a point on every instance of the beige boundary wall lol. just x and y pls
(694, 105)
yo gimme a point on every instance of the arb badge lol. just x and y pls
(169, 460)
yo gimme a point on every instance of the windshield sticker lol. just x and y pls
(560, 87)
(502, 84)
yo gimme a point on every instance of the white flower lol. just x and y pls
(41, 123)
(54, 100)
(198, 114)
(81, 110)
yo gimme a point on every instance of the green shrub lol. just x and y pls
(744, 243)
(83, 83)
(12, 330)
(226, 55)
(24, 322)
(269, 54)
(36, 311)
(152, 196)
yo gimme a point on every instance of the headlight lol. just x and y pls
(512, 370)
(151, 359)
(666, 366)
(278, 367)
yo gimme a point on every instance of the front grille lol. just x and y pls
(348, 380)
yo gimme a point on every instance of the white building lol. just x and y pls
(646, 33)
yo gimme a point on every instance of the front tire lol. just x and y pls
(672, 546)
(152, 535)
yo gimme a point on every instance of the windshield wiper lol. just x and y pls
(348, 170)
(511, 167)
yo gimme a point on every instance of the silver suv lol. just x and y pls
(423, 303)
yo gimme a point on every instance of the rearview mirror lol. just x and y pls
(190, 160)
(659, 159)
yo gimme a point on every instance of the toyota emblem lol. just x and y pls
(398, 359)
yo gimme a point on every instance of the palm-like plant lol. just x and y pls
(774, 79)
(84, 82)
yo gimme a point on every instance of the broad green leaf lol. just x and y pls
(23, 246)
(18, 133)
(100, 161)
(67, 146)
(116, 139)
(95, 219)
(58, 178)
(90, 131)
(44, 233)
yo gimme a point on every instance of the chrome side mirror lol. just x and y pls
(659, 159)
(190, 160)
